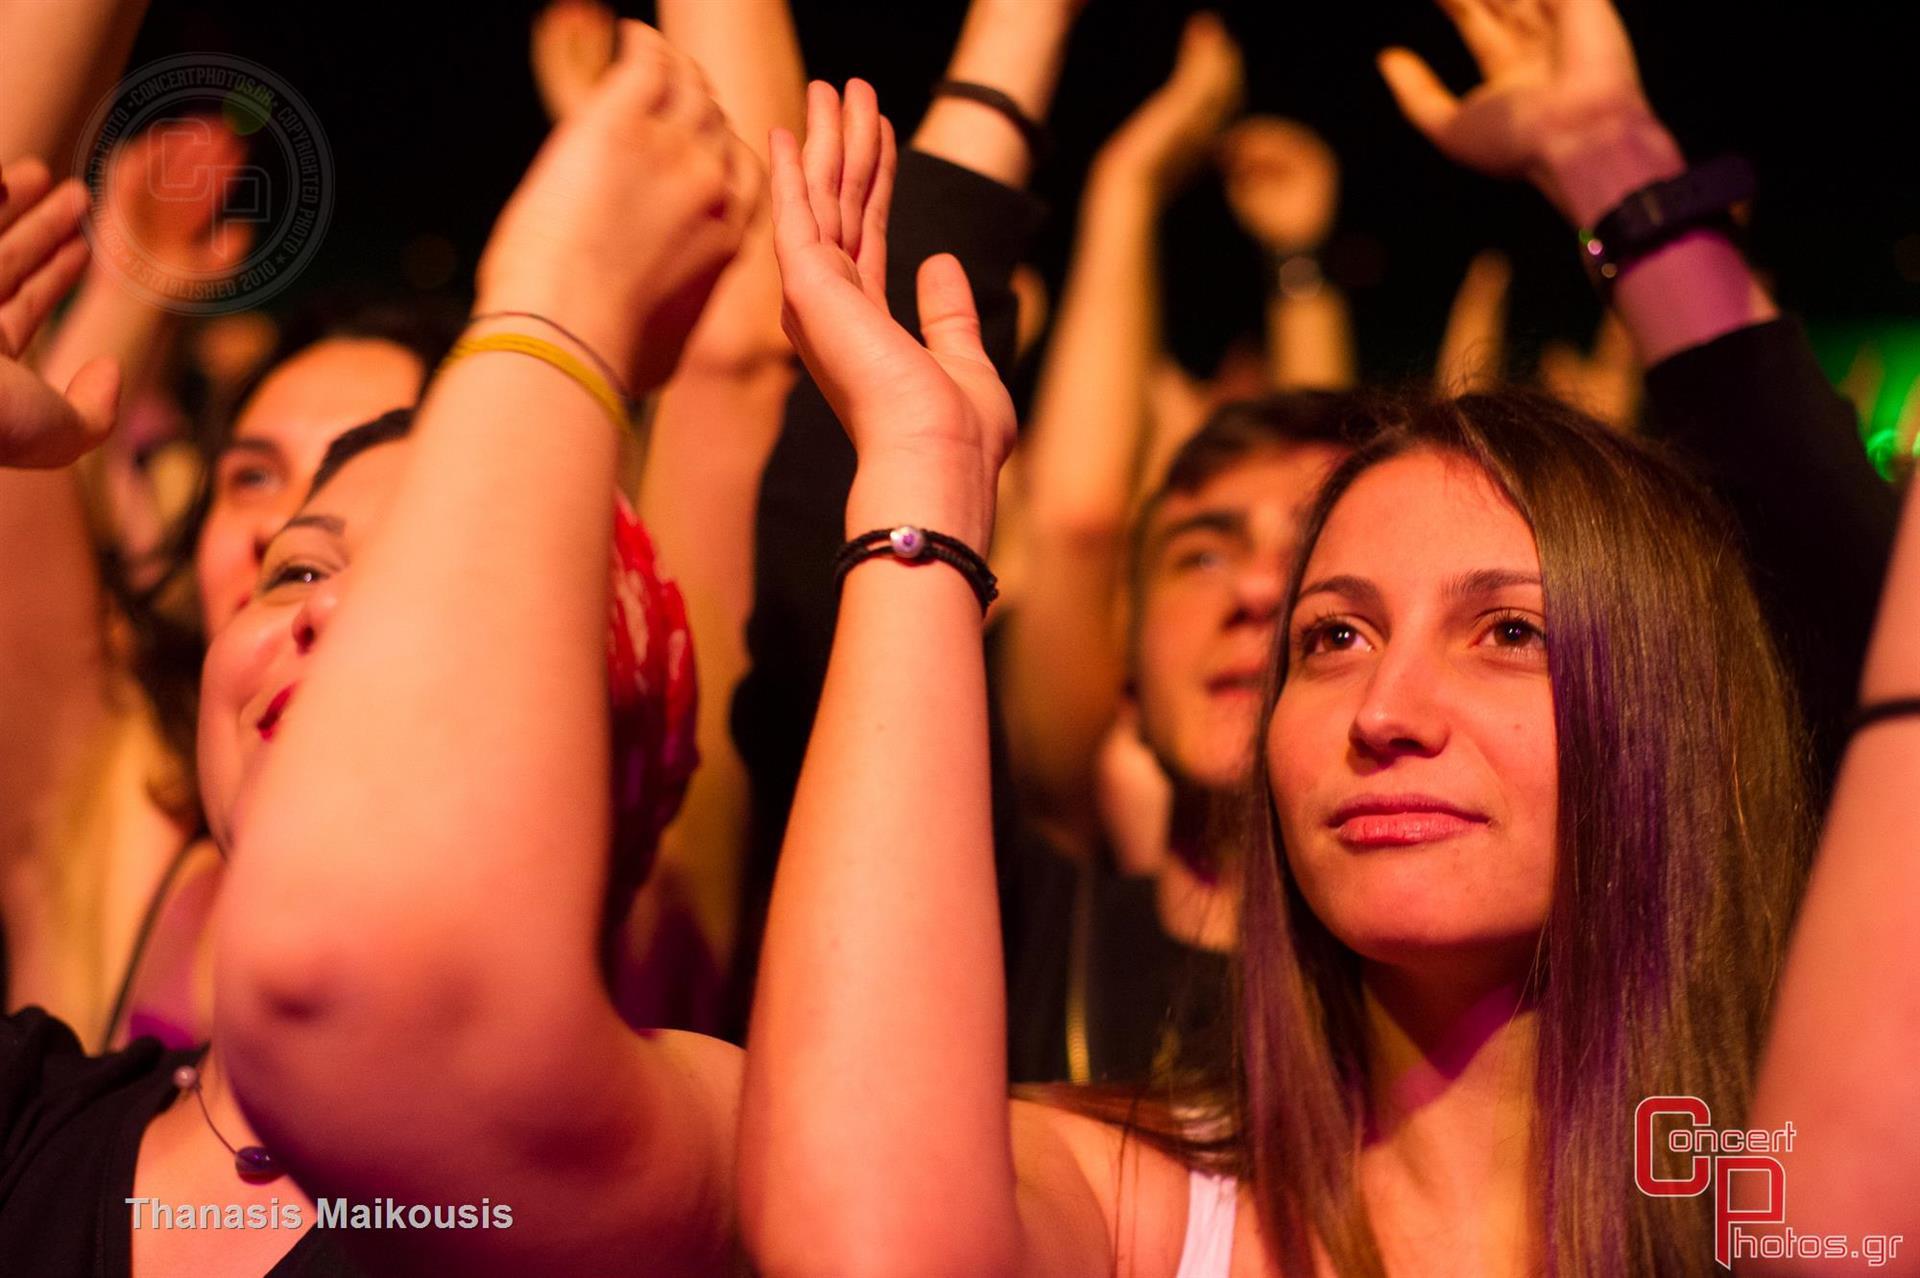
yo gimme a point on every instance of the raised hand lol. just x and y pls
(163, 194)
(1173, 132)
(1282, 181)
(931, 424)
(42, 256)
(572, 48)
(628, 214)
(1559, 81)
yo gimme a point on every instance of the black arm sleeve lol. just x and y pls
(938, 207)
(1782, 448)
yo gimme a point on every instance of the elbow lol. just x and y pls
(309, 1022)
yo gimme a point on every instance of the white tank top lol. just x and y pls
(1211, 1203)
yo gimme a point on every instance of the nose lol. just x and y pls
(314, 615)
(1257, 588)
(1402, 710)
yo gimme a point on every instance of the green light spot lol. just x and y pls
(246, 113)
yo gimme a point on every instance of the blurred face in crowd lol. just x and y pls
(255, 663)
(1213, 570)
(1412, 755)
(282, 432)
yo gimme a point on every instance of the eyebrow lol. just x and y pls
(263, 446)
(1231, 522)
(1468, 585)
(326, 523)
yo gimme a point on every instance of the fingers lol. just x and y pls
(872, 260)
(822, 159)
(39, 233)
(27, 180)
(949, 324)
(1427, 103)
(1487, 29)
(860, 160)
(94, 393)
(22, 314)
(793, 226)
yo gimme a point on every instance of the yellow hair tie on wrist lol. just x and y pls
(547, 352)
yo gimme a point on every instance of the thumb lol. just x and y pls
(949, 324)
(1427, 103)
(94, 394)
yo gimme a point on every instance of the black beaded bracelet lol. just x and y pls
(913, 545)
(1880, 711)
(1039, 142)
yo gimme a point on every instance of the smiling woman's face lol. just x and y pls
(256, 662)
(261, 475)
(1411, 753)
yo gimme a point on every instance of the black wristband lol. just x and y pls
(1039, 142)
(1880, 711)
(1654, 216)
(913, 545)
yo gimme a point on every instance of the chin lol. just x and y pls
(1415, 905)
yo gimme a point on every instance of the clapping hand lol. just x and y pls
(931, 424)
(628, 214)
(42, 256)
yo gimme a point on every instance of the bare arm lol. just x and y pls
(469, 1049)
(1846, 1028)
(60, 59)
(1015, 46)
(51, 646)
(876, 1137)
(713, 429)
(1284, 185)
(1473, 348)
(1063, 660)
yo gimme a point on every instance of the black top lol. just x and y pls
(70, 1128)
(1142, 999)
(1767, 431)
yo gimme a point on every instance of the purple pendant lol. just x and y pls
(255, 1163)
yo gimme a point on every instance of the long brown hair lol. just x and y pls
(1682, 841)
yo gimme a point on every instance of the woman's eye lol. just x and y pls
(292, 573)
(1516, 633)
(1330, 637)
(246, 480)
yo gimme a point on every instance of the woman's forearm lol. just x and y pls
(886, 1104)
(1061, 662)
(60, 59)
(1015, 47)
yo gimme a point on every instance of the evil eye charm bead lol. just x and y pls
(908, 542)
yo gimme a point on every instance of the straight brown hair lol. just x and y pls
(1683, 839)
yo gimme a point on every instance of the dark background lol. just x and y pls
(432, 115)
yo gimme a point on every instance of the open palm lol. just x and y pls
(1552, 70)
(830, 211)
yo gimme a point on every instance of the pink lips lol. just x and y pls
(1401, 820)
(271, 719)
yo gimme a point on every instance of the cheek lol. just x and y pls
(1306, 745)
(1522, 753)
(236, 668)
(225, 565)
